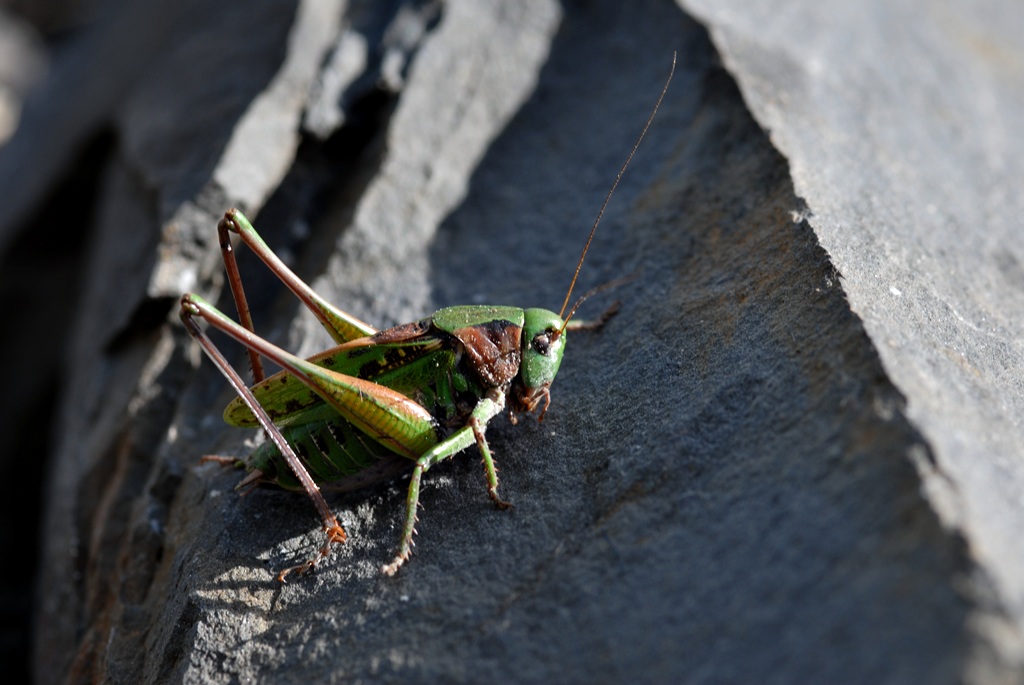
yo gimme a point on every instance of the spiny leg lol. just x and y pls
(341, 326)
(227, 252)
(488, 407)
(335, 533)
(489, 468)
(454, 444)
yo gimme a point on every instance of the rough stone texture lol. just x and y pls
(908, 136)
(737, 481)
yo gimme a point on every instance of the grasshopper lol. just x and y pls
(380, 402)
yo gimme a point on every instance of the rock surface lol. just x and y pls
(793, 456)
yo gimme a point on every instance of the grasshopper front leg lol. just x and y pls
(488, 407)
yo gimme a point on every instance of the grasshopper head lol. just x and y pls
(543, 345)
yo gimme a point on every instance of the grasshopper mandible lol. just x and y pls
(381, 402)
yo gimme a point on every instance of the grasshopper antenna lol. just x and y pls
(608, 197)
(594, 291)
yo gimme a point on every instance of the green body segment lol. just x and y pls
(451, 319)
(331, 450)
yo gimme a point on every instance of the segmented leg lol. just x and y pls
(343, 327)
(489, 407)
(335, 533)
(489, 468)
(227, 253)
(340, 325)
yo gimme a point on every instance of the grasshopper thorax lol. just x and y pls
(543, 346)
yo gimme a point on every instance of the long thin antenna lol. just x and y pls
(615, 185)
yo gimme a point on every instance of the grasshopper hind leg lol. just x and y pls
(191, 306)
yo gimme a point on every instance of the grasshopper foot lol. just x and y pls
(335, 534)
(498, 501)
(404, 552)
(392, 568)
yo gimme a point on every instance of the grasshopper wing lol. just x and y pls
(397, 358)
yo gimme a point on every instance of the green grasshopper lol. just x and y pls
(381, 402)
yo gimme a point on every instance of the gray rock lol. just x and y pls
(906, 137)
(789, 458)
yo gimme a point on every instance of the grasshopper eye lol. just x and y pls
(542, 342)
